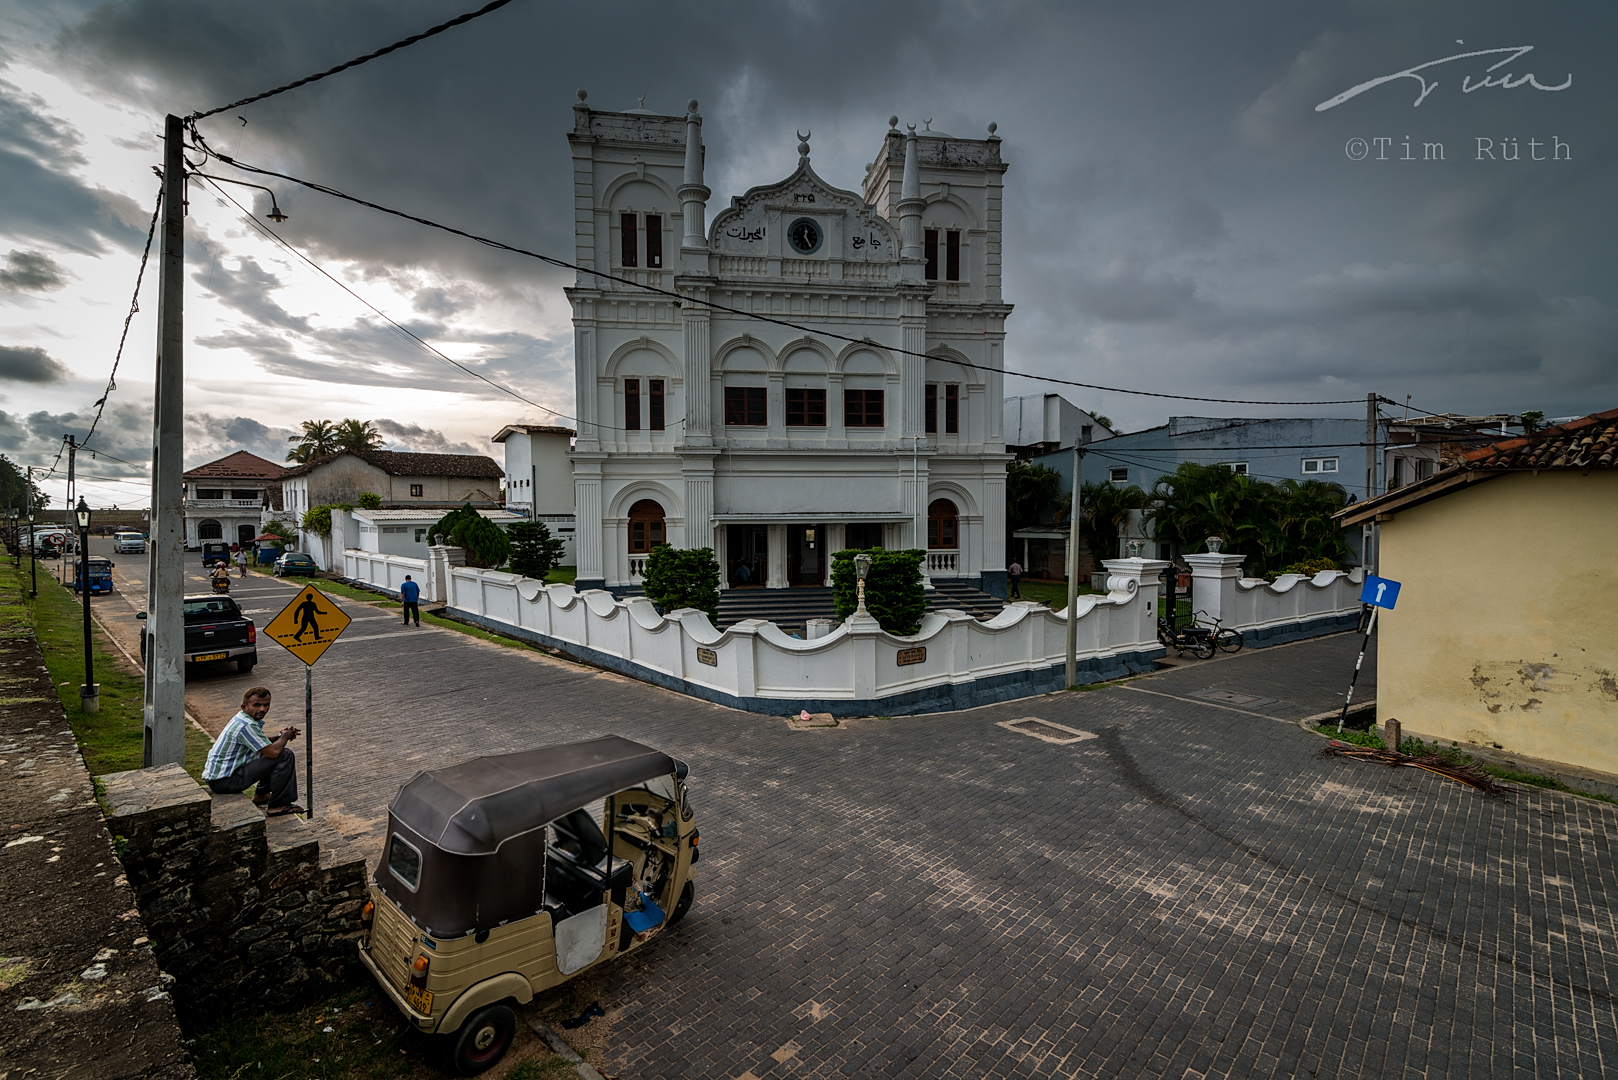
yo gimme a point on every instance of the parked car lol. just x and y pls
(129, 543)
(498, 882)
(214, 551)
(294, 562)
(100, 574)
(215, 629)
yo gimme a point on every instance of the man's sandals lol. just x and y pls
(280, 811)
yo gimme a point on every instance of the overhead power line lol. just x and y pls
(356, 62)
(713, 306)
(134, 307)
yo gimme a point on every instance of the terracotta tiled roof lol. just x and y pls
(238, 466)
(399, 463)
(533, 429)
(1590, 442)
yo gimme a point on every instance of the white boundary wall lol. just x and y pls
(1261, 608)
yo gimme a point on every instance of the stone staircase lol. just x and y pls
(791, 609)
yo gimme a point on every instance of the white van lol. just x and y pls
(127, 543)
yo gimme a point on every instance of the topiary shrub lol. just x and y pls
(677, 578)
(485, 542)
(370, 500)
(533, 550)
(1311, 567)
(893, 589)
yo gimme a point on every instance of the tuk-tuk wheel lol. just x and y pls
(483, 1039)
(683, 905)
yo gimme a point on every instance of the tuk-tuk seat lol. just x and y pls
(578, 868)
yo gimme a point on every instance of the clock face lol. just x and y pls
(804, 234)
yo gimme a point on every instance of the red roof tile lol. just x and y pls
(238, 466)
(399, 463)
(1590, 442)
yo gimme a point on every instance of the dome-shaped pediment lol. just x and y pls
(803, 217)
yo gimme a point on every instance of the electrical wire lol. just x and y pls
(356, 62)
(273, 235)
(713, 306)
(134, 307)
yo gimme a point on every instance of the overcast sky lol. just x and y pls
(1179, 215)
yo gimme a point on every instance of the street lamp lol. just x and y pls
(33, 557)
(89, 693)
(862, 566)
(1214, 543)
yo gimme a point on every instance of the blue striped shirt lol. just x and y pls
(238, 744)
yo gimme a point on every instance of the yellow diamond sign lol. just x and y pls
(307, 626)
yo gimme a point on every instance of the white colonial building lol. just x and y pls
(874, 420)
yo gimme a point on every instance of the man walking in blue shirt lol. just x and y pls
(410, 593)
(244, 755)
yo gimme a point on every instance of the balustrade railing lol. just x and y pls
(637, 569)
(943, 563)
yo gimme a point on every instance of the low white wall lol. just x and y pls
(383, 571)
(1293, 604)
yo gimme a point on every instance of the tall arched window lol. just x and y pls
(209, 529)
(941, 531)
(645, 526)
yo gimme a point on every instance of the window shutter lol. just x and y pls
(654, 241)
(656, 388)
(931, 240)
(629, 246)
(952, 408)
(632, 404)
(932, 408)
(952, 255)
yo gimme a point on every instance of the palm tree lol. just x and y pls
(358, 435)
(317, 439)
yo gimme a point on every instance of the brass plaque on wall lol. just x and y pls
(917, 655)
(707, 656)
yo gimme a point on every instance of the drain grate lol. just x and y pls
(1046, 730)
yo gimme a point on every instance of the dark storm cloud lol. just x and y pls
(422, 440)
(31, 271)
(209, 437)
(245, 289)
(125, 432)
(1176, 211)
(29, 364)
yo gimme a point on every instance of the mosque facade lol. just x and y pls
(817, 369)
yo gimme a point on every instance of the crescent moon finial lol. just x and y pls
(803, 136)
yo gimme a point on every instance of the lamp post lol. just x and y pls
(89, 693)
(862, 566)
(1214, 543)
(33, 558)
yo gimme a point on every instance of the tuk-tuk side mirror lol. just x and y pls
(681, 769)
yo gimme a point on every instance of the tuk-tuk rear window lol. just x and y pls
(404, 862)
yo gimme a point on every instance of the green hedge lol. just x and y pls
(485, 542)
(893, 591)
(676, 578)
(533, 550)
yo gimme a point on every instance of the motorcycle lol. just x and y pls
(221, 584)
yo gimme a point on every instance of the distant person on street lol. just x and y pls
(1014, 575)
(244, 756)
(241, 561)
(306, 613)
(410, 593)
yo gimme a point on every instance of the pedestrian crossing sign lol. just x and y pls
(307, 627)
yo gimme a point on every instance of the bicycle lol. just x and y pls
(1227, 640)
(1192, 638)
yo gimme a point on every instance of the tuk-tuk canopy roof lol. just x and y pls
(471, 808)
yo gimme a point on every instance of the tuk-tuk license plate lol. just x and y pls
(210, 656)
(420, 1000)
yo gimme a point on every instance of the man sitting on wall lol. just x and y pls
(244, 755)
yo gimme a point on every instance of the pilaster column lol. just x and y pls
(697, 323)
(698, 472)
(1213, 583)
(584, 374)
(776, 572)
(587, 521)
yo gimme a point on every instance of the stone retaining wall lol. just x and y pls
(240, 908)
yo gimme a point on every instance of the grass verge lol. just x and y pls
(1456, 756)
(111, 740)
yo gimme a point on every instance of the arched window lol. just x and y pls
(941, 525)
(209, 529)
(645, 526)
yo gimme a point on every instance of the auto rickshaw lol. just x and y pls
(498, 881)
(100, 575)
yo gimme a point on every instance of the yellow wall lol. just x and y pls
(1506, 631)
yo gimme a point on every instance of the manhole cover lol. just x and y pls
(1230, 697)
(1046, 730)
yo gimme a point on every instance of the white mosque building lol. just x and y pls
(875, 420)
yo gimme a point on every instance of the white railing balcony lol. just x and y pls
(223, 504)
(637, 569)
(943, 563)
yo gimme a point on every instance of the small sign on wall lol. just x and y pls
(707, 656)
(917, 655)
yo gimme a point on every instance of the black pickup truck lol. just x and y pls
(215, 629)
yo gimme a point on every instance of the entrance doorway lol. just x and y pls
(806, 552)
(245, 534)
(747, 553)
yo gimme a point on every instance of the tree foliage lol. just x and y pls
(354, 434)
(316, 439)
(286, 537)
(1031, 492)
(893, 590)
(533, 550)
(1103, 508)
(16, 492)
(369, 500)
(1274, 525)
(317, 519)
(485, 542)
(682, 578)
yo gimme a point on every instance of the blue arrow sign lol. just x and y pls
(1380, 592)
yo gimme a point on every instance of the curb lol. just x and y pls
(564, 1051)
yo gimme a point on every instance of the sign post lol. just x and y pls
(1377, 593)
(306, 630)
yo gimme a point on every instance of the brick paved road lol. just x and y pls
(1191, 893)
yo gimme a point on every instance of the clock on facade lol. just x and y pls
(805, 235)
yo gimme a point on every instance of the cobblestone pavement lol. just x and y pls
(1192, 892)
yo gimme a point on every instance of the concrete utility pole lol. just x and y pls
(1073, 568)
(165, 588)
(1369, 555)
